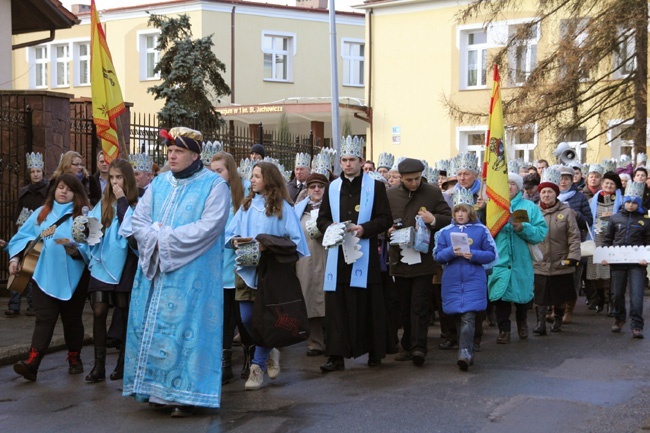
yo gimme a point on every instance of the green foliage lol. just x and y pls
(190, 74)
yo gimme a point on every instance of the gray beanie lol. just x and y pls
(514, 177)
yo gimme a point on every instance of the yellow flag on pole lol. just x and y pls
(106, 92)
(495, 167)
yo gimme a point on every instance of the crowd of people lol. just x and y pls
(378, 252)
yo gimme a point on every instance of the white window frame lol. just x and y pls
(353, 63)
(144, 53)
(290, 53)
(79, 61)
(40, 67)
(616, 144)
(463, 145)
(481, 50)
(580, 40)
(628, 46)
(64, 60)
(527, 148)
(529, 48)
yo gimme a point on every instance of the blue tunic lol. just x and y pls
(107, 258)
(56, 273)
(174, 336)
(229, 253)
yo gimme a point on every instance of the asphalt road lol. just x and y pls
(584, 379)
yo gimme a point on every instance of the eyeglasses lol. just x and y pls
(316, 185)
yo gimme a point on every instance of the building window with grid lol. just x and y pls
(61, 71)
(522, 141)
(279, 50)
(353, 52)
(473, 68)
(472, 140)
(625, 54)
(82, 64)
(41, 62)
(149, 55)
(522, 56)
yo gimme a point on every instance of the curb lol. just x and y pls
(15, 353)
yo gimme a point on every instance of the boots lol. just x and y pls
(118, 373)
(549, 315)
(522, 329)
(226, 366)
(98, 373)
(75, 366)
(540, 328)
(249, 351)
(568, 312)
(29, 369)
(557, 321)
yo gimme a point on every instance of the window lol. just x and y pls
(522, 141)
(353, 62)
(624, 55)
(472, 139)
(473, 59)
(149, 55)
(574, 35)
(522, 56)
(82, 64)
(40, 66)
(278, 50)
(61, 72)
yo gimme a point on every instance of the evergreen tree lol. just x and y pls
(190, 73)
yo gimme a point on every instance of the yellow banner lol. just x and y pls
(495, 168)
(106, 92)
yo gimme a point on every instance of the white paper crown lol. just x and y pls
(24, 215)
(86, 230)
(331, 154)
(623, 161)
(352, 146)
(515, 165)
(386, 160)
(443, 165)
(609, 165)
(246, 168)
(552, 175)
(377, 176)
(641, 157)
(466, 161)
(321, 165)
(35, 160)
(431, 174)
(141, 162)
(596, 168)
(634, 189)
(302, 160)
(209, 150)
(276, 162)
(463, 196)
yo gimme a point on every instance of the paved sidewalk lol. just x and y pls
(16, 332)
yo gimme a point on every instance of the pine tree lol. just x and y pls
(190, 74)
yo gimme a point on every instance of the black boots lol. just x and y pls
(118, 373)
(75, 366)
(98, 373)
(29, 368)
(540, 328)
(557, 320)
(249, 352)
(226, 366)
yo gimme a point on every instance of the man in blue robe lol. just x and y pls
(174, 337)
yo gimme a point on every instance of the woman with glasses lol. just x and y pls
(311, 269)
(71, 162)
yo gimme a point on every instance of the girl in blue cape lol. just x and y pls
(56, 279)
(108, 282)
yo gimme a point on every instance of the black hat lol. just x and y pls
(258, 148)
(410, 165)
(531, 180)
(614, 178)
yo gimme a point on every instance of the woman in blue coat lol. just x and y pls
(464, 280)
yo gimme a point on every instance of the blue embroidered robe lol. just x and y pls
(107, 258)
(174, 336)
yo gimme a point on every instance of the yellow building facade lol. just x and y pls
(419, 56)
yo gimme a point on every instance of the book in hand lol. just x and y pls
(519, 216)
(460, 240)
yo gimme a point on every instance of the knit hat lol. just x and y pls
(258, 148)
(514, 177)
(614, 178)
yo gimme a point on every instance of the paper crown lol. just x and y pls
(515, 165)
(86, 230)
(609, 165)
(596, 168)
(245, 168)
(35, 160)
(465, 161)
(552, 175)
(278, 164)
(634, 189)
(377, 176)
(330, 153)
(141, 162)
(443, 164)
(397, 161)
(302, 160)
(431, 174)
(623, 161)
(462, 196)
(209, 150)
(386, 160)
(321, 165)
(24, 216)
(641, 157)
(352, 146)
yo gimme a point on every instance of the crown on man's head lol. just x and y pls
(462, 196)
(35, 160)
(321, 165)
(431, 175)
(385, 160)
(444, 165)
(302, 159)
(467, 161)
(141, 162)
(352, 146)
(596, 168)
(609, 165)
(552, 175)
(209, 150)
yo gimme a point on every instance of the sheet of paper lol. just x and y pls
(460, 240)
(410, 256)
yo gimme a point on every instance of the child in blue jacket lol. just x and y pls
(464, 280)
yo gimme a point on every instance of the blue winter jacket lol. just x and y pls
(464, 282)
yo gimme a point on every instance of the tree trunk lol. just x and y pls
(641, 78)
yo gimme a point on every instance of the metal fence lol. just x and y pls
(16, 140)
(83, 134)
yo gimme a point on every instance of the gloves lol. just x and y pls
(248, 254)
(312, 229)
(570, 262)
(334, 234)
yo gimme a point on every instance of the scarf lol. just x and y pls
(194, 168)
(566, 195)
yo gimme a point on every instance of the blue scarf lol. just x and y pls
(359, 276)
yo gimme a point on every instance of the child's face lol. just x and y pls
(462, 216)
(630, 206)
